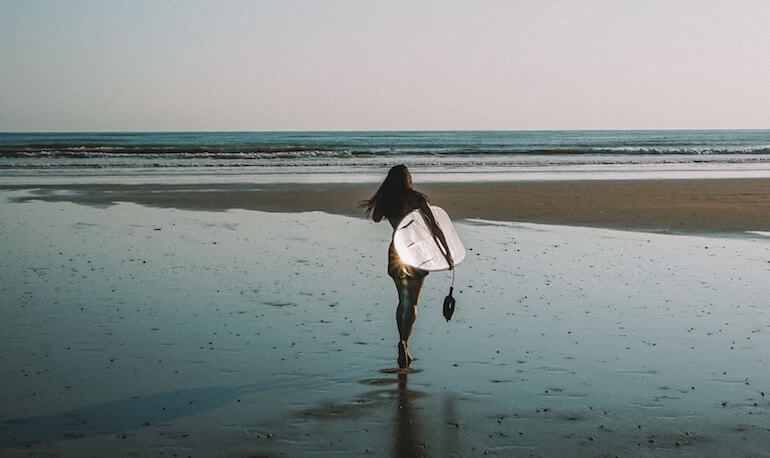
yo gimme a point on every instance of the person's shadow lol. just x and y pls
(117, 417)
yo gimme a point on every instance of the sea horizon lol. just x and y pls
(384, 130)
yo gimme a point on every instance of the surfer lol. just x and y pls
(394, 200)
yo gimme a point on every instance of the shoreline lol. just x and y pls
(667, 205)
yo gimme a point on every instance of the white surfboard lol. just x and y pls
(416, 246)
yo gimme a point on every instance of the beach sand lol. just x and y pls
(230, 321)
(692, 205)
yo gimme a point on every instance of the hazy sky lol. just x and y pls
(345, 65)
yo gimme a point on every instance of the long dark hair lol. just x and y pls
(396, 188)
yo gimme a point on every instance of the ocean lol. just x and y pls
(364, 156)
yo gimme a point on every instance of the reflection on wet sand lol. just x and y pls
(595, 350)
(407, 439)
(411, 439)
(120, 416)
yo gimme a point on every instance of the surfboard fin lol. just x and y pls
(449, 305)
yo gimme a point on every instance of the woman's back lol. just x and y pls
(397, 210)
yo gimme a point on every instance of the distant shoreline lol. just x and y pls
(687, 206)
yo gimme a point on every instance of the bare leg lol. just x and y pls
(406, 314)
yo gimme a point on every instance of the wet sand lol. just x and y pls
(699, 205)
(167, 329)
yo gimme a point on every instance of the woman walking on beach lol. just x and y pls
(394, 200)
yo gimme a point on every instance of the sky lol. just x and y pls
(116, 65)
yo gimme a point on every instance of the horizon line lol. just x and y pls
(376, 130)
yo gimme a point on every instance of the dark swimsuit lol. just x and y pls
(397, 269)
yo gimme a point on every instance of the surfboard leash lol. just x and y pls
(449, 301)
